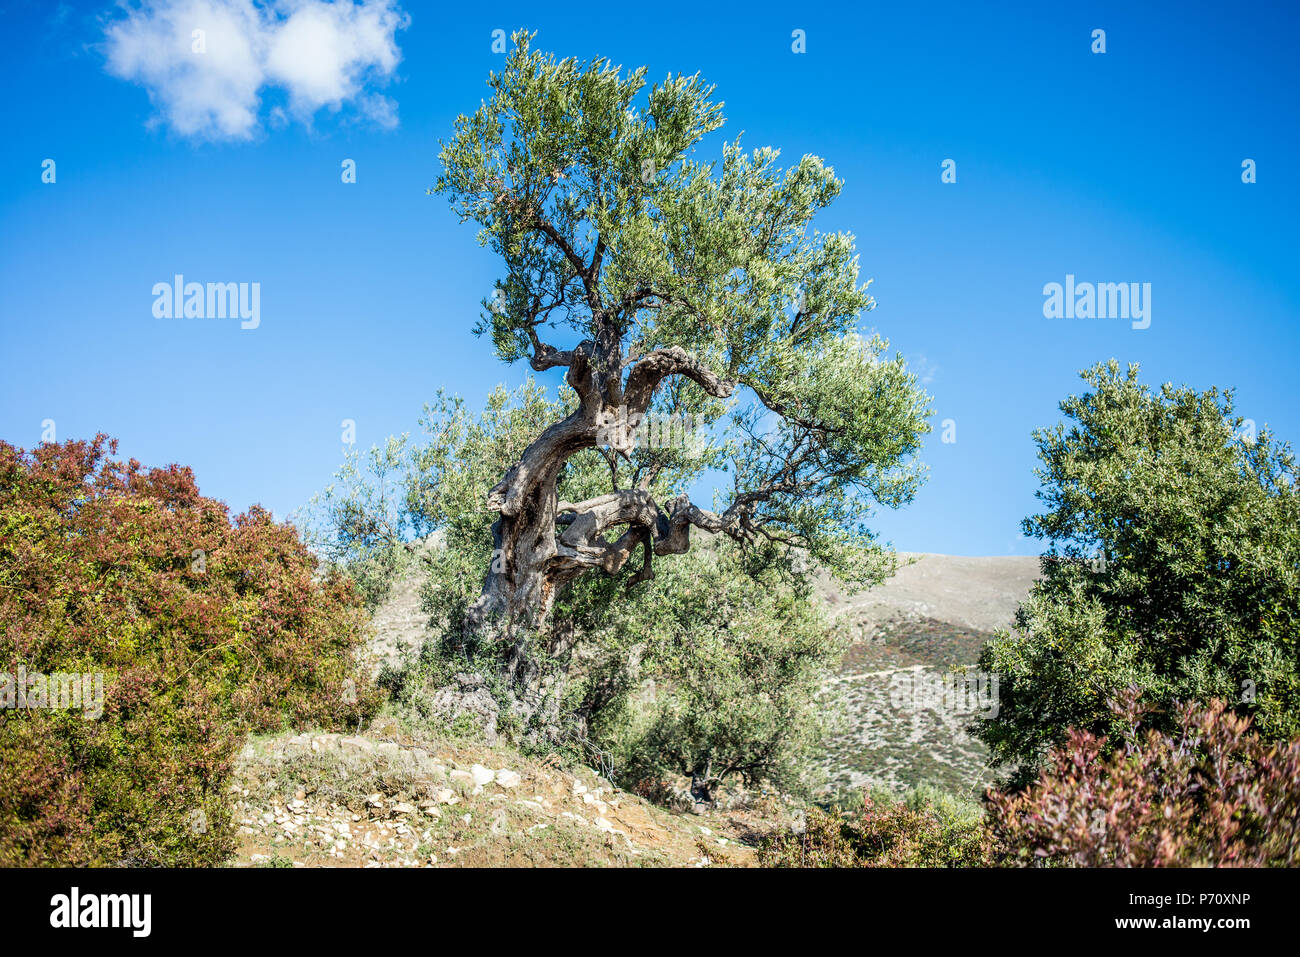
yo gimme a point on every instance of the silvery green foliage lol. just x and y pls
(714, 665)
(715, 672)
(360, 520)
(705, 278)
(1173, 567)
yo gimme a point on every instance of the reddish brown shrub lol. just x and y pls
(1211, 794)
(201, 630)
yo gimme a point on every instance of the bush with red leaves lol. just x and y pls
(201, 628)
(1211, 794)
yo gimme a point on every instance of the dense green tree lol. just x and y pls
(668, 286)
(1173, 567)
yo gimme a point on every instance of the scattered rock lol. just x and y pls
(507, 778)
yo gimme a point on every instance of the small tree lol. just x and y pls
(663, 285)
(360, 522)
(1173, 567)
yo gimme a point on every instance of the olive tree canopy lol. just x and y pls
(667, 285)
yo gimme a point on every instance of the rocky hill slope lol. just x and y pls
(387, 800)
(908, 679)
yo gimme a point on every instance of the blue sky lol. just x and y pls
(1115, 167)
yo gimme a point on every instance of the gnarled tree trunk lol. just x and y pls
(541, 543)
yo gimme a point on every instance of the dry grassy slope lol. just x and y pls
(387, 800)
(969, 592)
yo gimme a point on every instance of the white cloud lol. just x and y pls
(210, 84)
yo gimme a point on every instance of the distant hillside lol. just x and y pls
(928, 620)
(978, 593)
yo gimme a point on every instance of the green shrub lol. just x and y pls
(359, 522)
(714, 671)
